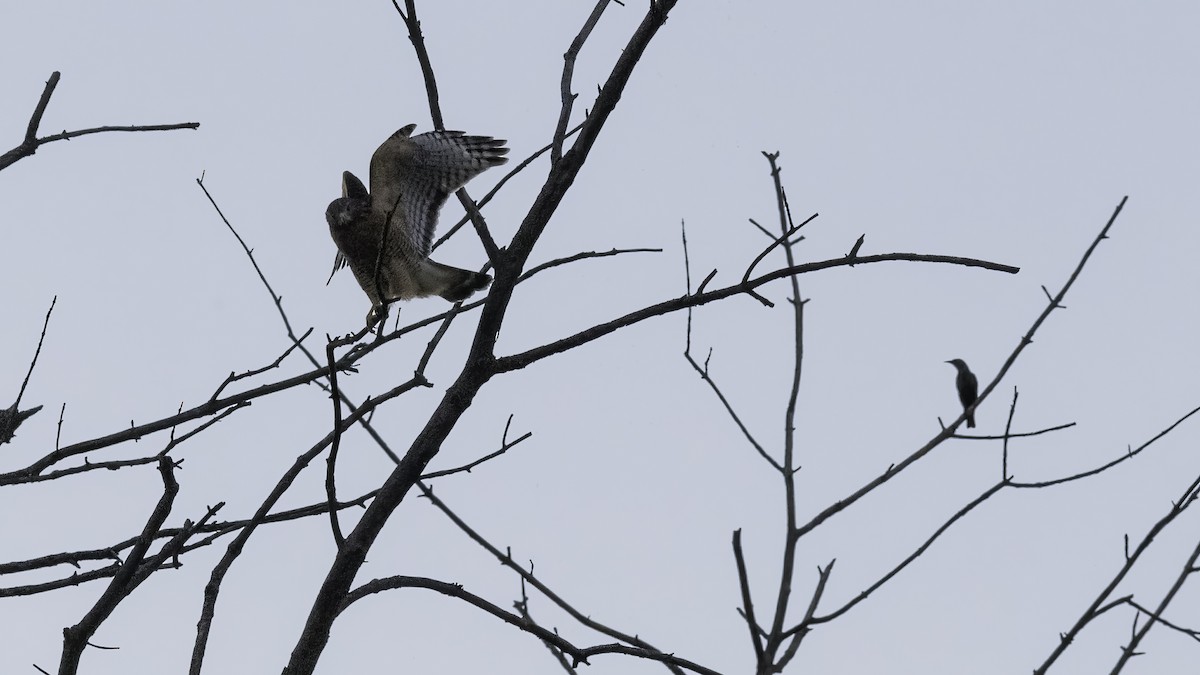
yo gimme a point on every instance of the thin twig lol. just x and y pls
(788, 474)
(234, 377)
(1189, 568)
(568, 73)
(1094, 609)
(37, 352)
(1129, 453)
(522, 606)
(879, 583)
(506, 559)
(505, 445)
(331, 461)
(748, 602)
(496, 188)
(275, 297)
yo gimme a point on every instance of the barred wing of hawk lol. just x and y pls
(411, 178)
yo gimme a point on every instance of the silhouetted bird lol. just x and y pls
(968, 388)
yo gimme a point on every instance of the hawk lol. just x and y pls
(411, 177)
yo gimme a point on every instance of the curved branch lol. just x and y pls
(456, 591)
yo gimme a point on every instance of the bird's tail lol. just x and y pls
(971, 420)
(456, 284)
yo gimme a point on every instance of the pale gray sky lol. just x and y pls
(1005, 132)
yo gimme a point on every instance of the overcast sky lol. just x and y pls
(1007, 132)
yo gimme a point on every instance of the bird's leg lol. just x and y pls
(377, 318)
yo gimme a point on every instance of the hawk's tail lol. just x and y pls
(458, 284)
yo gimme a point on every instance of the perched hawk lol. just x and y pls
(411, 177)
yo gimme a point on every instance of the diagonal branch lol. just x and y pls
(1189, 568)
(506, 559)
(1095, 608)
(13, 416)
(275, 297)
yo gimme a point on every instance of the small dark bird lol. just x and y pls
(968, 388)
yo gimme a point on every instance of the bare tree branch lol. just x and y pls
(1128, 454)
(756, 632)
(275, 297)
(568, 73)
(31, 142)
(522, 359)
(895, 469)
(212, 589)
(75, 638)
(12, 417)
(506, 559)
(1094, 609)
(1189, 568)
(496, 188)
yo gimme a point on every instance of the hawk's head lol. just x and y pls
(354, 203)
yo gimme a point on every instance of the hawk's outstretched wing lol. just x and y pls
(411, 177)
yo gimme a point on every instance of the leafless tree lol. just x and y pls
(777, 620)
